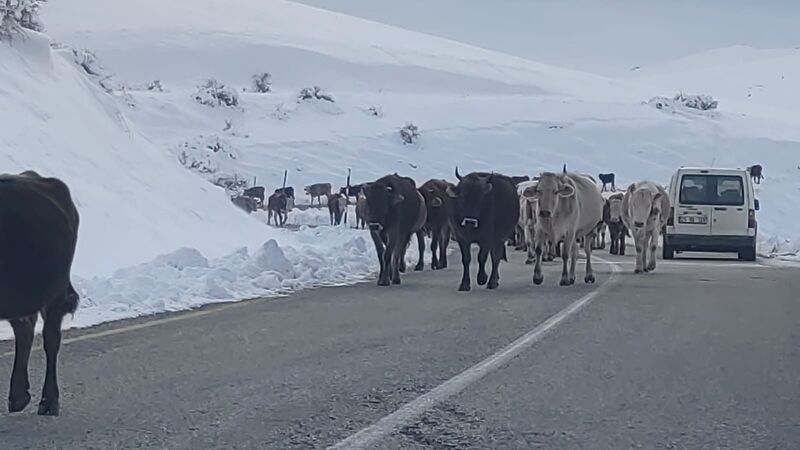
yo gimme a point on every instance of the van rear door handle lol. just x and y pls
(720, 209)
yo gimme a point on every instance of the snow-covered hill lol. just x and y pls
(475, 108)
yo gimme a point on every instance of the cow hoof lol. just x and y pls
(637, 271)
(564, 282)
(464, 288)
(383, 282)
(482, 278)
(419, 267)
(538, 279)
(48, 408)
(396, 281)
(17, 404)
(571, 281)
(530, 261)
(492, 285)
(651, 268)
(589, 279)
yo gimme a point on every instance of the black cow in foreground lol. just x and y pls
(485, 212)
(439, 207)
(395, 211)
(755, 173)
(606, 179)
(38, 233)
(256, 192)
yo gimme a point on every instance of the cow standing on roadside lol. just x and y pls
(277, 206)
(606, 179)
(395, 211)
(39, 224)
(256, 192)
(485, 212)
(337, 203)
(318, 190)
(755, 173)
(569, 209)
(612, 216)
(439, 206)
(645, 210)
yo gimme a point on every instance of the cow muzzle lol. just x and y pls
(545, 214)
(468, 220)
(375, 226)
(638, 224)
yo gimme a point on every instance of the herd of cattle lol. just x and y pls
(551, 215)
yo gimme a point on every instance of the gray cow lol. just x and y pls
(318, 190)
(645, 210)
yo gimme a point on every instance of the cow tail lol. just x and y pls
(70, 303)
(505, 254)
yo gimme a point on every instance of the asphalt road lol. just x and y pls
(699, 354)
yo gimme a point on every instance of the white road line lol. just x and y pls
(367, 437)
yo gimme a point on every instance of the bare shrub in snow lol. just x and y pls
(409, 133)
(697, 101)
(262, 83)
(314, 93)
(233, 184)
(18, 15)
(155, 85)
(213, 93)
(204, 153)
(375, 111)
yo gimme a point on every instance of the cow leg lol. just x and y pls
(51, 334)
(19, 395)
(421, 246)
(444, 241)
(381, 251)
(466, 258)
(602, 239)
(434, 250)
(398, 256)
(538, 278)
(640, 252)
(497, 255)
(573, 257)
(565, 265)
(651, 264)
(589, 277)
(483, 254)
(621, 245)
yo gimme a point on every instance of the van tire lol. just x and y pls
(668, 252)
(747, 254)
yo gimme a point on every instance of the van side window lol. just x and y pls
(720, 190)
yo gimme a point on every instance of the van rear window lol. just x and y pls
(722, 190)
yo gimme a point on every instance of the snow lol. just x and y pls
(157, 236)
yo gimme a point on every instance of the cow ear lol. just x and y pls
(632, 188)
(452, 192)
(531, 192)
(566, 191)
(657, 197)
(487, 188)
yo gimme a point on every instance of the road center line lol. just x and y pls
(367, 437)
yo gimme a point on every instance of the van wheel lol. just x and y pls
(668, 252)
(747, 254)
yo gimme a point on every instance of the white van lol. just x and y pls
(713, 210)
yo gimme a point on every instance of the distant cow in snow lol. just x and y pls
(39, 224)
(395, 210)
(277, 209)
(569, 209)
(755, 173)
(439, 206)
(485, 212)
(318, 190)
(361, 211)
(337, 203)
(612, 216)
(645, 210)
(256, 192)
(606, 179)
(351, 191)
(245, 203)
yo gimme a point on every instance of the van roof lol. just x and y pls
(712, 170)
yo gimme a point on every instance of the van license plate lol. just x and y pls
(693, 219)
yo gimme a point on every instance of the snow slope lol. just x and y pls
(476, 108)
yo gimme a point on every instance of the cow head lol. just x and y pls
(645, 207)
(615, 209)
(548, 190)
(381, 199)
(469, 197)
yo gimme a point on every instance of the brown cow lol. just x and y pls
(337, 203)
(277, 206)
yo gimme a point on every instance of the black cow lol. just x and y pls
(337, 203)
(247, 204)
(520, 179)
(351, 191)
(288, 191)
(612, 216)
(39, 226)
(607, 178)
(277, 208)
(755, 173)
(439, 206)
(318, 190)
(395, 211)
(257, 192)
(486, 211)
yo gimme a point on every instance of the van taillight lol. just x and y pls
(751, 218)
(671, 219)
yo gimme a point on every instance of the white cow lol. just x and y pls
(527, 217)
(645, 210)
(569, 207)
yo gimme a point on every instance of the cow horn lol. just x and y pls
(457, 175)
(565, 168)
